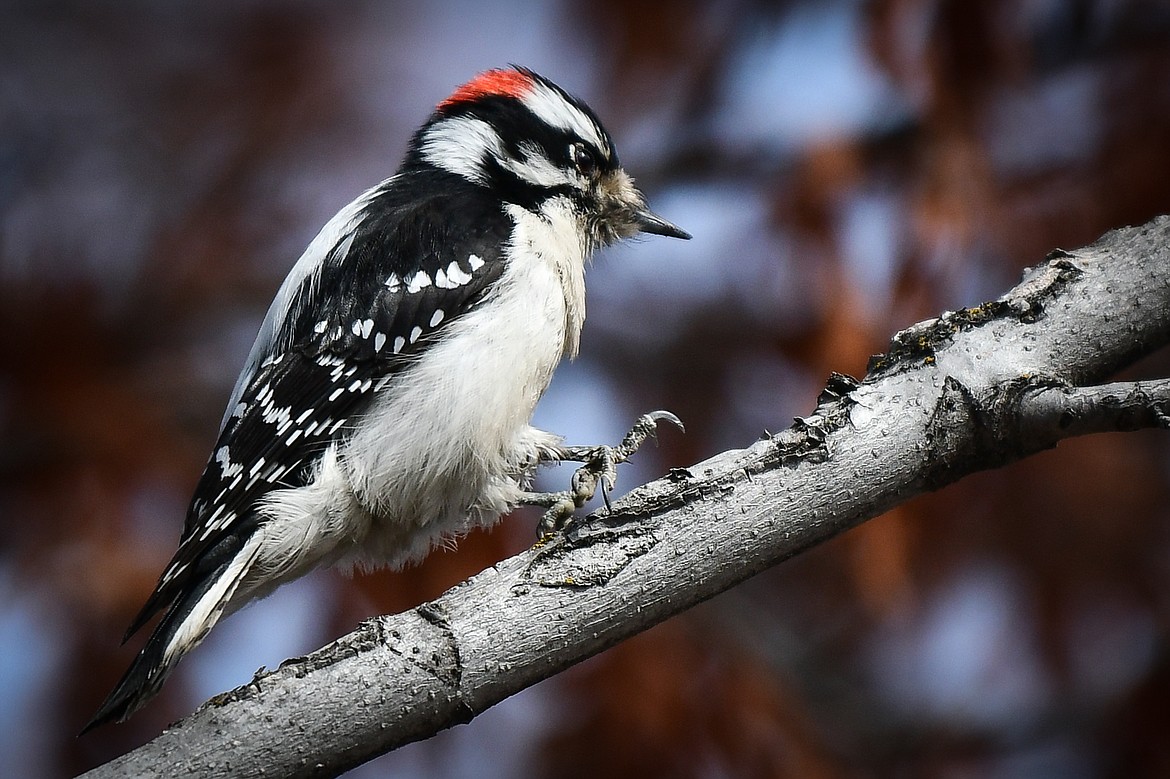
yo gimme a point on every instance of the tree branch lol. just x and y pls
(1051, 413)
(971, 390)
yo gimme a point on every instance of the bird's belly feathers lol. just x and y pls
(450, 445)
(446, 444)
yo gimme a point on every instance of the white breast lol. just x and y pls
(447, 444)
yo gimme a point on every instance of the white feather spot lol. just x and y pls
(399, 342)
(393, 283)
(174, 571)
(208, 529)
(213, 520)
(335, 394)
(379, 341)
(417, 282)
(356, 327)
(456, 276)
(475, 261)
(227, 468)
(437, 317)
(415, 333)
(367, 327)
(277, 416)
(441, 280)
(256, 466)
(321, 326)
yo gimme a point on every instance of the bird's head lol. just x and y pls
(520, 135)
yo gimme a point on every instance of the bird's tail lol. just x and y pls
(185, 623)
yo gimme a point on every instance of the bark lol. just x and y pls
(970, 390)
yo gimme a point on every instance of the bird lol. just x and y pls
(385, 407)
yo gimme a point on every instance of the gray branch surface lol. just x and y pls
(970, 390)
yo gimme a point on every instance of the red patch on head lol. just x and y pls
(505, 83)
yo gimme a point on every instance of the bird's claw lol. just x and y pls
(645, 427)
(559, 507)
(599, 469)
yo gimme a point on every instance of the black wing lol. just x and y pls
(390, 287)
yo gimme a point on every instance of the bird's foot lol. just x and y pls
(599, 470)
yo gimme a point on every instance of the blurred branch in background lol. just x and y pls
(970, 390)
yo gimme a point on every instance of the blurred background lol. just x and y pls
(846, 168)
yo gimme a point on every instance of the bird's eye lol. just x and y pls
(583, 159)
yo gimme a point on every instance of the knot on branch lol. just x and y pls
(952, 434)
(1027, 414)
(970, 431)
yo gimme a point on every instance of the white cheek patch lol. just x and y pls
(460, 145)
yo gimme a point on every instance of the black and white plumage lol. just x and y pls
(385, 404)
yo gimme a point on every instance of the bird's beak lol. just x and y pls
(626, 212)
(648, 222)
